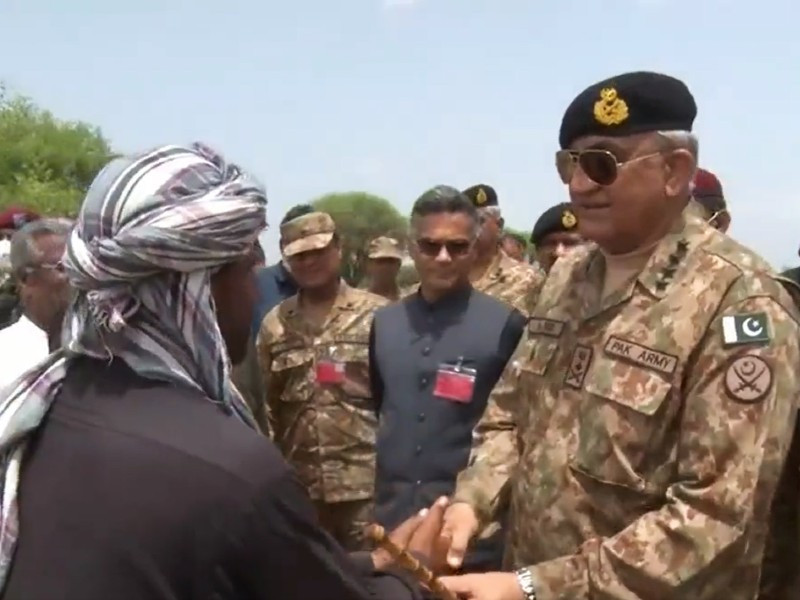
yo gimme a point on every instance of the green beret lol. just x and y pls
(628, 104)
(481, 195)
(555, 219)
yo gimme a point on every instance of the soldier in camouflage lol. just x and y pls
(384, 257)
(641, 429)
(495, 273)
(313, 351)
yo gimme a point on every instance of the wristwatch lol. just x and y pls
(525, 581)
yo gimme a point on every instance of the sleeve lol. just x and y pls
(270, 391)
(375, 381)
(495, 447)
(247, 378)
(739, 404)
(286, 554)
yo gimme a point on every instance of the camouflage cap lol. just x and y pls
(384, 247)
(308, 232)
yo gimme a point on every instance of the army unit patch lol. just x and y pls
(578, 367)
(745, 329)
(748, 379)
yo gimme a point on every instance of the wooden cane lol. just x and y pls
(406, 561)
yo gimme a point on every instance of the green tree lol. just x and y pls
(359, 218)
(46, 164)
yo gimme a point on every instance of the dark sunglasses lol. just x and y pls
(455, 248)
(601, 166)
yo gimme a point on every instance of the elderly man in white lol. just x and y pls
(35, 255)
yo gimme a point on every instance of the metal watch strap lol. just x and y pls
(525, 581)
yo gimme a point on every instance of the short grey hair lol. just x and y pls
(684, 140)
(25, 253)
(494, 211)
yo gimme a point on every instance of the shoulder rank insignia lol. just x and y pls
(610, 109)
(568, 219)
(481, 197)
(745, 329)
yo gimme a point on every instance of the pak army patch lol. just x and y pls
(746, 328)
(748, 379)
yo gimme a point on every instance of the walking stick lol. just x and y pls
(408, 563)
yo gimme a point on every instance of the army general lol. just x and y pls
(640, 431)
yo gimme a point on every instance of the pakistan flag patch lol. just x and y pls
(745, 329)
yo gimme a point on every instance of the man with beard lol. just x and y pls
(130, 465)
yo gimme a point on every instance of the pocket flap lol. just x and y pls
(629, 385)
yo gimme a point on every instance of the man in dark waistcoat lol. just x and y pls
(434, 358)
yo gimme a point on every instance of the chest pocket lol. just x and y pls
(291, 373)
(625, 422)
(353, 353)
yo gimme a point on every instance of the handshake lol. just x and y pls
(437, 538)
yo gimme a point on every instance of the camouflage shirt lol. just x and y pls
(325, 430)
(510, 281)
(639, 439)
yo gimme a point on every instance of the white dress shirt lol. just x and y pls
(22, 345)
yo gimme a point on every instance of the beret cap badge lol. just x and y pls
(481, 197)
(568, 219)
(610, 109)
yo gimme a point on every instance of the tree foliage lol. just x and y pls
(46, 164)
(360, 217)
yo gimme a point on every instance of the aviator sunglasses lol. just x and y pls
(432, 248)
(601, 166)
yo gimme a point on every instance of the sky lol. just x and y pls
(395, 96)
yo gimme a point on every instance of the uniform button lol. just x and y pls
(418, 482)
(423, 380)
(421, 417)
(426, 350)
(419, 450)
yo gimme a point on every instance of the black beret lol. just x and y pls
(555, 219)
(628, 104)
(481, 195)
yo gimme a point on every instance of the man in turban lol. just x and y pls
(142, 474)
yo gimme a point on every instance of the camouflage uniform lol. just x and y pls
(386, 247)
(505, 279)
(639, 439)
(326, 431)
(511, 281)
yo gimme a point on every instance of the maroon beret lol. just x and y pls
(14, 217)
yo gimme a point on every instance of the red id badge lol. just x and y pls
(330, 371)
(455, 384)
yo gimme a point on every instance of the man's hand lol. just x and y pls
(485, 586)
(421, 534)
(460, 526)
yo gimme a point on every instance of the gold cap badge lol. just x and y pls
(481, 197)
(568, 220)
(610, 109)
